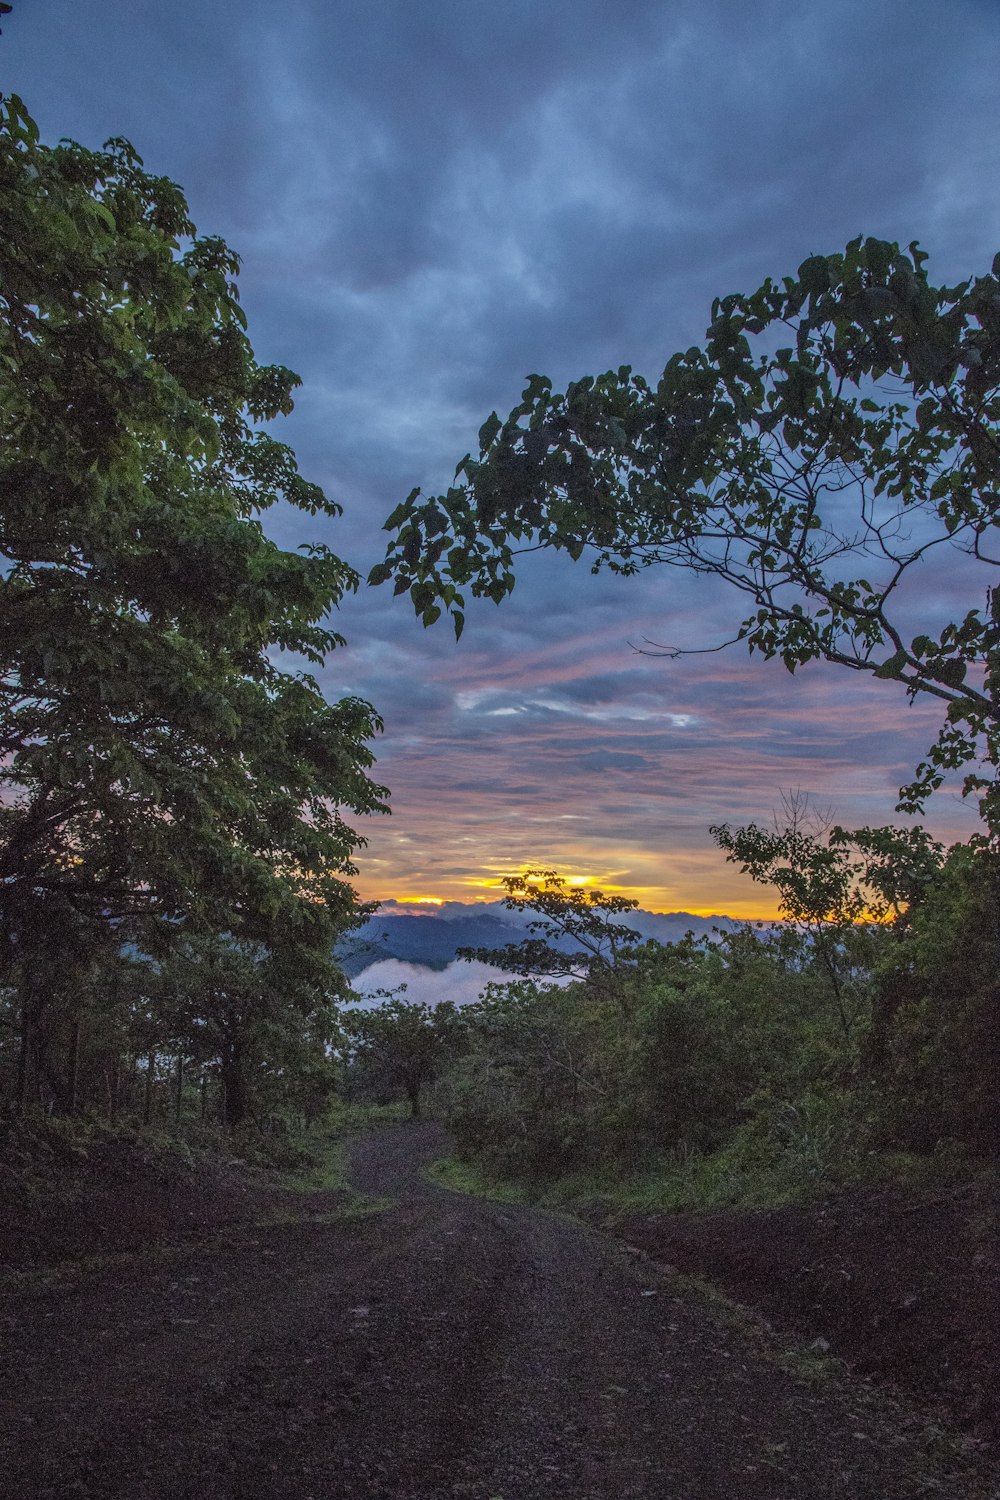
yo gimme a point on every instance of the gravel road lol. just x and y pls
(442, 1347)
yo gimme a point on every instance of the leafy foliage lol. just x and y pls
(776, 1059)
(574, 936)
(402, 1044)
(835, 891)
(935, 1043)
(169, 768)
(263, 1030)
(816, 477)
(163, 760)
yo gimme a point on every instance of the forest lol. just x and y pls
(854, 1041)
(174, 846)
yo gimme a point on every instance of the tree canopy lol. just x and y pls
(574, 935)
(161, 752)
(402, 1044)
(832, 437)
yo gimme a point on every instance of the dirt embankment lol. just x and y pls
(434, 1347)
(66, 1198)
(908, 1292)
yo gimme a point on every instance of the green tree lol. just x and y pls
(575, 935)
(404, 1044)
(817, 478)
(836, 889)
(264, 1029)
(163, 754)
(935, 1044)
(53, 989)
(530, 1090)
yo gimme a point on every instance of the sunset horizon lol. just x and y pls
(432, 905)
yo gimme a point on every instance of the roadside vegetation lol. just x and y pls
(78, 1190)
(768, 1065)
(826, 452)
(803, 1114)
(829, 453)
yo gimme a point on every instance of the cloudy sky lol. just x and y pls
(433, 198)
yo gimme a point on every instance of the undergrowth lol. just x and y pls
(741, 1175)
(52, 1159)
(465, 1177)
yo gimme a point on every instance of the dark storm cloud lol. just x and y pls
(434, 200)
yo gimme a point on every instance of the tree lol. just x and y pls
(836, 888)
(575, 936)
(404, 1043)
(819, 479)
(164, 757)
(265, 1031)
(532, 1086)
(935, 1045)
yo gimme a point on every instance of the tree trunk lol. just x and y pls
(147, 1108)
(179, 1090)
(236, 1096)
(73, 1070)
(23, 1084)
(114, 1074)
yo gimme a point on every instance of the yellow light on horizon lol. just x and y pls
(486, 887)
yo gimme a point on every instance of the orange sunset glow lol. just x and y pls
(624, 805)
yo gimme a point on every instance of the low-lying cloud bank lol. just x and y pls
(461, 983)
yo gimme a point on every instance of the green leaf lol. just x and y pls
(771, 457)
(892, 666)
(952, 672)
(161, 634)
(489, 430)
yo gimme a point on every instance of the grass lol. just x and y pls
(806, 1363)
(325, 1172)
(938, 1460)
(464, 1177)
(349, 1119)
(242, 1237)
(354, 1206)
(748, 1173)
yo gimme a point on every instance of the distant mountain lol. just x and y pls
(433, 940)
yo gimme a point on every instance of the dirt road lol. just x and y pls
(443, 1347)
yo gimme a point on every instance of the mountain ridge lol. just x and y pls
(432, 940)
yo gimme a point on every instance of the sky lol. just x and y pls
(434, 200)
